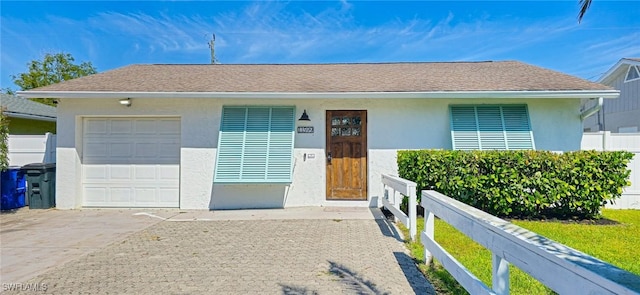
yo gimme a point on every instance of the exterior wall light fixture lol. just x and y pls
(126, 102)
(304, 116)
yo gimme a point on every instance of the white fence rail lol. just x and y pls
(400, 188)
(26, 149)
(563, 269)
(607, 141)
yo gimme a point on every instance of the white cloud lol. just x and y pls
(270, 32)
(167, 33)
(600, 55)
(280, 32)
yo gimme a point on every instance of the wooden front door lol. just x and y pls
(346, 156)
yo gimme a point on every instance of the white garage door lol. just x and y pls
(131, 162)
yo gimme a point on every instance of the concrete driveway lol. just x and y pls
(283, 251)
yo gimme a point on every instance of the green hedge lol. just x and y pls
(522, 184)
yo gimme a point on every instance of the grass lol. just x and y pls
(611, 243)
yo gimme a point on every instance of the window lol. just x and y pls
(346, 126)
(255, 145)
(503, 127)
(632, 74)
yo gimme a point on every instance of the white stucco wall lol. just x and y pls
(392, 124)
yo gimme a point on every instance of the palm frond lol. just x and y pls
(584, 6)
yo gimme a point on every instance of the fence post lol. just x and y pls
(428, 230)
(49, 148)
(413, 222)
(606, 140)
(499, 275)
(396, 204)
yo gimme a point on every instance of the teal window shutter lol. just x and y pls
(464, 128)
(487, 127)
(255, 145)
(518, 128)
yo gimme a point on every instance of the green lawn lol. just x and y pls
(611, 243)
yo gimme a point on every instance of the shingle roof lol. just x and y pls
(18, 106)
(364, 77)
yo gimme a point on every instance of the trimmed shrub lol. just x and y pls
(522, 184)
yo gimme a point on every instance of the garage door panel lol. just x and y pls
(166, 195)
(95, 127)
(165, 150)
(145, 172)
(169, 173)
(119, 195)
(125, 195)
(120, 149)
(147, 150)
(94, 195)
(95, 172)
(131, 162)
(145, 195)
(168, 128)
(124, 126)
(147, 127)
(97, 150)
(118, 172)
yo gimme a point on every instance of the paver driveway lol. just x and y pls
(287, 256)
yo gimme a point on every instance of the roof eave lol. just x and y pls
(30, 117)
(611, 73)
(327, 95)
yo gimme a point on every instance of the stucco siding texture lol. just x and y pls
(392, 124)
(322, 78)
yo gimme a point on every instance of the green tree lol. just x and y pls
(584, 6)
(8, 91)
(53, 68)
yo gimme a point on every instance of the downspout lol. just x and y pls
(592, 110)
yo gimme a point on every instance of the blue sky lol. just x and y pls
(118, 33)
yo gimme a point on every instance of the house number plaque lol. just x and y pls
(305, 129)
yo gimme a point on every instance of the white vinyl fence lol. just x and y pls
(563, 269)
(27, 149)
(401, 188)
(607, 141)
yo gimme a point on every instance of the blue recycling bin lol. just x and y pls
(13, 188)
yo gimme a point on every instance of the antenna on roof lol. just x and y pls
(213, 49)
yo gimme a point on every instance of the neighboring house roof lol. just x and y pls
(366, 78)
(18, 107)
(620, 68)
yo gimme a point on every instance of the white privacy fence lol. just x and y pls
(607, 141)
(563, 269)
(27, 149)
(396, 189)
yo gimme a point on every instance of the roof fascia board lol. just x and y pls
(609, 74)
(327, 95)
(30, 117)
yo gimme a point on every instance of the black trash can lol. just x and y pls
(41, 185)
